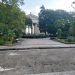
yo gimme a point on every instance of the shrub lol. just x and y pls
(59, 33)
(2, 42)
(52, 36)
(33, 36)
(70, 39)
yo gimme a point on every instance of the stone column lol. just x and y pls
(32, 29)
(28, 29)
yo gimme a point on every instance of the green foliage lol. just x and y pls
(50, 21)
(12, 20)
(13, 2)
(28, 21)
(60, 23)
(59, 33)
(70, 39)
(72, 29)
(46, 21)
(34, 36)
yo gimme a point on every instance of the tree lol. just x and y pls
(72, 29)
(13, 2)
(42, 20)
(28, 21)
(51, 21)
(46, 21)
(59, 33)
(63, 21)
(12, 19)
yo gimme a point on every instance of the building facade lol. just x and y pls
(33, 29)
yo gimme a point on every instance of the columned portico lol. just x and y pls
(34, 29)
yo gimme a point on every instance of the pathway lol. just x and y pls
(44, 43)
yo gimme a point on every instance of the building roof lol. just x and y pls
(33, 16)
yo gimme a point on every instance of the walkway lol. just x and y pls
(44, 43)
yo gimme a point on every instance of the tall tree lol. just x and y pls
(50, 21)
(12, 19)
(72, 29)
(46, 21)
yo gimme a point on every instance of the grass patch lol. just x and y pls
(65, 41)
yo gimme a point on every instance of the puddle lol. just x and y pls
(5, 69)
(13, 54)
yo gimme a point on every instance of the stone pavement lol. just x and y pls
(58, 73)
(44, 43)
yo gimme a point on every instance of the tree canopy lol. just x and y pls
(12, 19)
(50, 21)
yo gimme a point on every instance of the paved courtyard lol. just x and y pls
(39, 42)
(60, 61)
(44, 43)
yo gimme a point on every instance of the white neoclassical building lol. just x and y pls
(34, 29)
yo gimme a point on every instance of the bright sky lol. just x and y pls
(33, 6)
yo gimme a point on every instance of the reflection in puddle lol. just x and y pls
(5, 69)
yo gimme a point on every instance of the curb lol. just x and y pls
(57, 73)
(39, 47)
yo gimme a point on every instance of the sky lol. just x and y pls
(33, 6)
